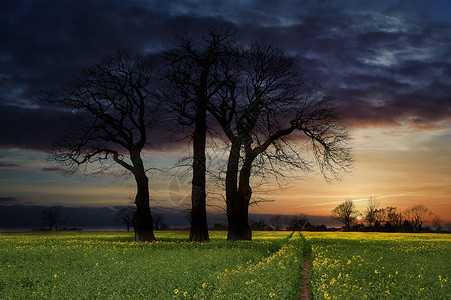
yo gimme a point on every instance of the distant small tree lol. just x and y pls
(298, 222)
(187, 215)
(417, 215)
(406, 226)
(380, 215)
(52, 216)
(370, 210)
(125, 216)
(276, 222)
(157, 221)
(259, 225)
(437, 223)
(345, 213)
(447, 227)
(394, 217)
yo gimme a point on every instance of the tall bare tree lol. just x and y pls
(345, 212)
(263, 102)
(111, 104)
(194, 79)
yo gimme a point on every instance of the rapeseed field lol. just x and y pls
(109, 265)
(356, 265)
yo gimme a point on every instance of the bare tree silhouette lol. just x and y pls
(194, 78)
(394, 217)
(111, 106)
(298, 222)
(158, 221)
(52, 217)
(437, 223)
(370, 211)
(264, 101)
(345, 212)
(125, 216)
(417, 215)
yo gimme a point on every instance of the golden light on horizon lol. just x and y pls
(401, 169)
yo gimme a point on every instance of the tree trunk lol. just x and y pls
(199, 226)
(238, 200)
(237, 217)
(142, 219)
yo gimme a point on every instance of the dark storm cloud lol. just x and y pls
(385, 61)
(34, 128)
(54, 170)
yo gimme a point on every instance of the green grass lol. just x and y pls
(108, 265)
(380, 266)
(92, 265)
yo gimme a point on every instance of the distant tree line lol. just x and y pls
(299, 222)
(124, 216)
(389, 219)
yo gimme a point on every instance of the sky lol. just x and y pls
(387, 62)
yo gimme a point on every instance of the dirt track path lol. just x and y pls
(306, 293)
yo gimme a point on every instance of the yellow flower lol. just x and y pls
(55, 276)
(176, 291)
(185, 294)
(271, 295)
(204, 285)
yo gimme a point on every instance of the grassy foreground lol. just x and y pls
(93, 265)
(359, 265)
(108, 265)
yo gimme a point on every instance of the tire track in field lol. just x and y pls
(306, 293)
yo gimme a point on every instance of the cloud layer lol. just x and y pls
(387, 62)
